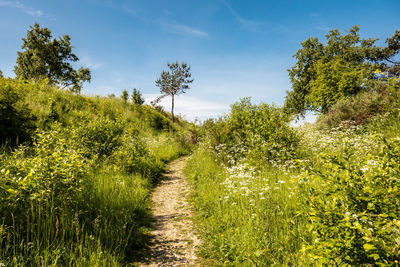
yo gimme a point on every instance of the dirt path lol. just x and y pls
(173, 241)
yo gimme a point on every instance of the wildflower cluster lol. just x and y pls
(352, 185)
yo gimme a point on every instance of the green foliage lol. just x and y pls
(326, 73)
(332, 201)
(352, 190)
(137, 98)
(125, 96)
(100, 137)
(135, 157)
(255, 132)
(53, 166)
(336, 80)
(174, 82)
(78, 194)
(246, 217)
(45, 57)
(357, 109)
(16, 120)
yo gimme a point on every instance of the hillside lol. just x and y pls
(77, 172)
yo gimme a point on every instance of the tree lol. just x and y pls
(46, 57)
(1, 73)
(344, 66)
(125, 96)
(174, 82)
(137, 98)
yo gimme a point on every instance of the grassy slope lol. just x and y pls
(96, 211)
(281, 213)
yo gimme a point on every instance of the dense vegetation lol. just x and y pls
(344, 66)
(76, 173)
(267, 193)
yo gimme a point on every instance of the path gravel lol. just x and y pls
(173, 241)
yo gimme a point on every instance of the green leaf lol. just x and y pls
(368, 247)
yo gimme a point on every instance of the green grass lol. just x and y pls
(334, 203)
(246, 218)
(78, 193)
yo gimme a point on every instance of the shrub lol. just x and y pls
(16, 120)
(49, 171)
(100, 137)
(134, 157)
(357, 109)
(354, 203)
(259, 132)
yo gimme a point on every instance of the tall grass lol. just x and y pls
(332, 201)
(247, 217)
(77, 195)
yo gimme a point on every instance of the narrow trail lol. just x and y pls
(173, 242)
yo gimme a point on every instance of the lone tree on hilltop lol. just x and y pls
(46, 57)
(174, 82)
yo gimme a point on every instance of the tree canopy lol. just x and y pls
(343, 66)
(137, 98)
(174, 82)
(46, 57)
(125, 96)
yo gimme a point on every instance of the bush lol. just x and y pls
(134, 157)
(257, 132)
(351, 186)
(49, 172)
(16, 120)
(100, 137)
(357, 109)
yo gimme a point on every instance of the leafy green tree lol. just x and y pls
(174, 82)
(1, 73)
(46, 57)
(125, 96)
(343, 66)
(137, 98)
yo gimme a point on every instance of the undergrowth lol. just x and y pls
(328, 198)
(74, 187)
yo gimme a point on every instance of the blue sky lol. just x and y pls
(236, 48)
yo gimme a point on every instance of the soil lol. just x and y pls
(173, 242)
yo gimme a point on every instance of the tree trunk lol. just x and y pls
(172, 110)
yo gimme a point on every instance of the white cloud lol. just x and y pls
(170, 27)
(191, 107)
(250, 25)
(88, 62)
(26, 9)
(183, 29)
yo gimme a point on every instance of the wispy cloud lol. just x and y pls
(250, 25)
(24, 8)
(88, 62)
(171, 27)
(183, 29)
(323, 28)
(320, 22)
